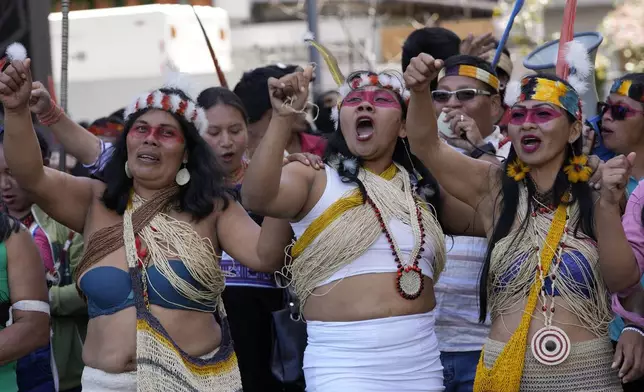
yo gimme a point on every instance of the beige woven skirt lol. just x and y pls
(586, 369)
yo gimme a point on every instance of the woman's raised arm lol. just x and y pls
(30, 329)
(65, 198)
(465, 178)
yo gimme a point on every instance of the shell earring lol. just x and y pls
(183, 175)
(128, 173)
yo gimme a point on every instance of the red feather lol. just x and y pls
(567, 35)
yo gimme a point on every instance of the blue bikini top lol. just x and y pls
(579, 274)
(109, 290)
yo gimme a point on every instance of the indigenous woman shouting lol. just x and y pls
(547, 296)
(368, 249)
(152, 229)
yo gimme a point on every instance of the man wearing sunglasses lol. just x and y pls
(468, 94)
(622, 132)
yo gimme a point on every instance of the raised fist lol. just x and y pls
(421, 71)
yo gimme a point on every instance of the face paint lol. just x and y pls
(163, 133)
(536, 115)
(379, 98)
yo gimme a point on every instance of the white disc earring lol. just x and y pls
(183, 176)
(128, 173)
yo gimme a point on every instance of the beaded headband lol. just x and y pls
(554, 92)
(471, 72)
(629, 88)
(171, 103)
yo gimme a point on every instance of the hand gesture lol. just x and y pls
(615, 178)
(629, 356)
(305, 158)
(421, 71)
(40, 101)
(289, 95)
(15, 86)
(465, 128)
(478, 46)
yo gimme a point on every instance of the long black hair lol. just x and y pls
(337, 148)
(206, 178)
(509, 199)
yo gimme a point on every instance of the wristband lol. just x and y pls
(634, 328)
(487, 148)
(52, 116)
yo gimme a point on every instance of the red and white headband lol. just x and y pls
(171, 103)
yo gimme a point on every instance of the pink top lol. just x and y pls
(632, 223)
(42, 242)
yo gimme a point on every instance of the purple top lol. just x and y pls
(632, 223)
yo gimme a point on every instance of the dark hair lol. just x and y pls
(438, 42)
(206, 179)
(120, 114)
(509, 197)
(8, 226)
(337, 148)
(218, 95)
(252, 89)
(42, 142)
(464, 59)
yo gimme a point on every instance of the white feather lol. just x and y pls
(577, 58)
(201, 122)
(179, 81)
(16, 52)
(335, 116)
(426, 192)
(309, 36)
(364, 80)
(350, 165)
(578, 84)
(189, 113)
(406, 95)
(344, 90)
(157, 99)
(512, 93)
(384, 79)
(175, 101)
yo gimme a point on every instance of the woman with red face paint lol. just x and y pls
(369, 244)
(153, 231)
(541, 282)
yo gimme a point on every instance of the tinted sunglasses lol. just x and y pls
(618, 112)
(466, 94)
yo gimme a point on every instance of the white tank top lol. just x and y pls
(377, 258)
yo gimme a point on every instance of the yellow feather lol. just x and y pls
(330, 61)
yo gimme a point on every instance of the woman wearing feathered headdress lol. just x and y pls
(369, 245)
(543, 283)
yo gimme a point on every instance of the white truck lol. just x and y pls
(117, 53)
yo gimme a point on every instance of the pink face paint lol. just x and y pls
(537, 115)
(379, 98)
(163, 133)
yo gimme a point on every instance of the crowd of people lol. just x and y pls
(439, 229)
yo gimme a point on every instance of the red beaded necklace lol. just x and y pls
(409, 280)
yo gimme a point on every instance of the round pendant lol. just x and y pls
(410, 282)
(550, 346)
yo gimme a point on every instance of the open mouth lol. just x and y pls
(606, 131)
(364, 128)
(530, 143)
(149, 158)
(227, 157)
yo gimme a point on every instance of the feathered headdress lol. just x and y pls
(172, 103)
(387, 80)
(573, 65)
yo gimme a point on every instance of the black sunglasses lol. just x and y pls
(617, 112)
(466, 94)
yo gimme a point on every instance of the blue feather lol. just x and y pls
(570, 101)
(506, 33)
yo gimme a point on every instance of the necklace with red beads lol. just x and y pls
(409, 277)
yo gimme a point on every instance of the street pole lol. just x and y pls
(64, 62)
(314, 56)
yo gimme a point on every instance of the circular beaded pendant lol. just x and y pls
(410, 282)
(550, 346)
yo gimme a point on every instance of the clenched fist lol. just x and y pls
(15, 85)
(615, 175)
(421, 71)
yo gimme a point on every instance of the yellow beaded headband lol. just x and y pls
(628, 88)
(471, 72)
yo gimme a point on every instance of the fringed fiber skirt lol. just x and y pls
(382, 355)
(586, 369)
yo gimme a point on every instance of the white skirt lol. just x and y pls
(382, 355)
(94, 380)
